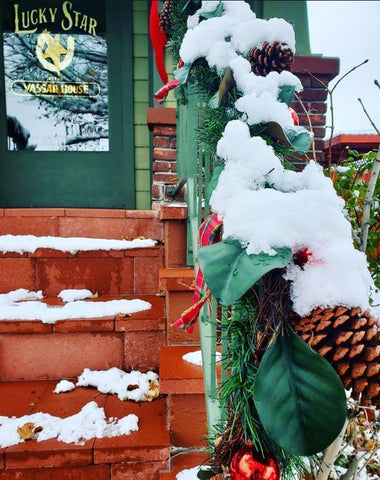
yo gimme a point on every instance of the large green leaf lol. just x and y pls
(300, 140)
(229, 272)
(300, 399)
(286, 94)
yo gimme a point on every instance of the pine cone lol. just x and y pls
(349, 340)
(165, 16)
(274, 57)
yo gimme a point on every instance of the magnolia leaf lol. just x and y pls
(216, 13)
(182, 73)
(226, 85)
(229, 272)
(286, 94)
(205, 474)
(299, 139)
(299, 397)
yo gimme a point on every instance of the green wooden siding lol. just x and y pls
(141, 64)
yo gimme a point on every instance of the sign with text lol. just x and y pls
(55, 67)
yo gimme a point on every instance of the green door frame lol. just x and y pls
(80, 179)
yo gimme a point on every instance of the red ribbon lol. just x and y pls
(209, 232)
(162, 93)
(158, 39)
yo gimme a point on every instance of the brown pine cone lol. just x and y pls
(274, 57)
(349, 340)
(165, 16)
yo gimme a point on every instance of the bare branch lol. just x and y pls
(347, 73)
(331, 454)
(368, 202)
(307, 113)
(367, 114)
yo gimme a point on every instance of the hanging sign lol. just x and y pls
(55, 68)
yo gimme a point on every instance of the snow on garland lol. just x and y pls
(286, 252)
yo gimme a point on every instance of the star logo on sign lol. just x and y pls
(49, 51)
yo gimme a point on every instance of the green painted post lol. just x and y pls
(190, 166)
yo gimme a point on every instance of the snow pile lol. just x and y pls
(134, 385)
(22, 304)
(196, 357)
(64, 386)
(226, 40)
(299, 210)
(89, 423)
(30, 243)
(72, 295)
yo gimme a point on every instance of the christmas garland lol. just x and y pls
(282, 400)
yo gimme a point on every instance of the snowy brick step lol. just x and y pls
(145, 450)
(34, 350)
(51, 264)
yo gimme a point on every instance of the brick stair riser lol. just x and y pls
(136, 470)
(92, 223)
(32, 350)
(105, 272)
(65, 355)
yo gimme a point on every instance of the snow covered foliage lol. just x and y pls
(224, 41)
(263, 205)
(273, 207)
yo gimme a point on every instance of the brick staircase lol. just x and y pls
(35, 355)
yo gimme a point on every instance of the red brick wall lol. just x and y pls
(162, 122)
(314, 96)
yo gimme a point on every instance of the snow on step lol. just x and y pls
(22, 304)
(149, 443)
(30, 243)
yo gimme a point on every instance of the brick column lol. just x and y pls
(162, 122)
(314, 95)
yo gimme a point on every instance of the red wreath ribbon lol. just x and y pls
(162, 93)
(209, 232)
(158, 39)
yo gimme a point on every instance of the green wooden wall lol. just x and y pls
(141, 90)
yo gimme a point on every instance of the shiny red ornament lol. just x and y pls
(301, 257)
(294, 116)
(247, 464)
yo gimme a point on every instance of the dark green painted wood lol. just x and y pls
(81, 179)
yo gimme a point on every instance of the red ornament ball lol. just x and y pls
(247, 464)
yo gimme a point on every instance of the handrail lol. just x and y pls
(194, 166)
